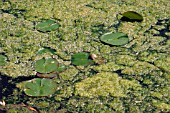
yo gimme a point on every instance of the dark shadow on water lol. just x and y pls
(130, 20)
(5, 86)
(3, 110)
(8, 84)
(163, 31)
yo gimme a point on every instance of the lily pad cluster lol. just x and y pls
(119, 38)
(46, 69)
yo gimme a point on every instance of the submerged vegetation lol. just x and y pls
(84, 56)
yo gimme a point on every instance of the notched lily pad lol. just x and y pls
(38, 87)
(46, 65)
(81, 59)
(132, 16)
(117, 38)
(47, 26)
(2, 60)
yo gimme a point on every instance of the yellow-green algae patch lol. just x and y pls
(110, 66)
(105, 84)
(69, 74)
(164, 63)
(21, 41)
(141, 68)
(126, 60)
(161, 105)
(82, 22)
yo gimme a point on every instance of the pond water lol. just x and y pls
(61, 41)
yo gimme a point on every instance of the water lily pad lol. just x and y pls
(117, 38)
(47, 25)
(81, 59)
(46, 65)
(2, 60)
(53, 74)
(132, 16)
(45, 50)
(38, 87)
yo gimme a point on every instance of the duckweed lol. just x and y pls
(69, 73)
(137, 73)
(105, 84)
(110, 66)
(140, 68)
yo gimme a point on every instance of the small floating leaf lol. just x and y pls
(2, 60)
(38, 87)
(45, 50)
(81, 59)
(46, 26)
(117, 38)
(53, 74)
(46, 65)
(132, 16)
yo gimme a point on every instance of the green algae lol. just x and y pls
(151, 56)
(42, 104)
(110, 66)
(162, 105)
(126, 60)
(164, 63)
(69, 73)
(82, 22)
(140, 68)
(104, 84)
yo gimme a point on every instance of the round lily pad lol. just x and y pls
(46, 65)
(47, 26)
(2, 60)
(38, 87)
(117, 38)
(81, 59)
(132, 16)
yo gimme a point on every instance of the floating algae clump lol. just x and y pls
(105, 84)
(161, 105)
(69, 73)
(110, 66)
(164, 63)
(140, 68)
